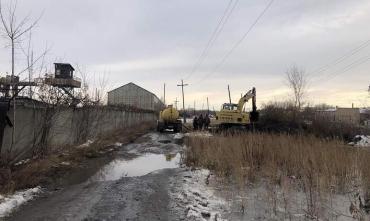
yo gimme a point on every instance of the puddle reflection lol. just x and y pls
(139, 166)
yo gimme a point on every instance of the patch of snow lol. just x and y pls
(153, 136)
(87, 144)
(10, 203)
(178, 136)
(197, 198)
(22, 162)
(118, 144)
(65, 163)
(199, 134)
(361, 141)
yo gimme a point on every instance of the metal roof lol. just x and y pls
(131, 83)
(65, 64)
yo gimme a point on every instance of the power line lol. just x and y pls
(220, 26)
(341, 58)
(223, 60)
(343, 70)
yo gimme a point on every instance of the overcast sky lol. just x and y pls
(154, 42)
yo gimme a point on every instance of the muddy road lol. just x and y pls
(144, 181)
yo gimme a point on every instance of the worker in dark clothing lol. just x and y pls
(195, 123)
(207, 122)
(200, 122)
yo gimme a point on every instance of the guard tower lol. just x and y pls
(63, 77)
(63, 70)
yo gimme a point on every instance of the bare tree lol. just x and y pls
(13, 29)
(296, 79)
(33, 64)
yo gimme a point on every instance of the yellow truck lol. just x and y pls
(234, 116)
(169, 120)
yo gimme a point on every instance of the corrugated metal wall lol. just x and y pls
(133, 95)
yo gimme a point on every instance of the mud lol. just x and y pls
(133, 185)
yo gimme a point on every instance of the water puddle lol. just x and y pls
(139, 166)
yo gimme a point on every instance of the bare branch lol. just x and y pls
(7, 29)
(17, 35)
(42, 56)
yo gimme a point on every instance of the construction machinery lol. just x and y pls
(234, 115)
(169, 119)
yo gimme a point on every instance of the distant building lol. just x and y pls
(365, 116)
(340, 115)
(134, 96)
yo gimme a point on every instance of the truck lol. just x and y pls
(234, 115)
(169, 120)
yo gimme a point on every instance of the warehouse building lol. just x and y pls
(340, 115)
(135, 96)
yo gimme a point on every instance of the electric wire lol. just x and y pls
(217, 31)
(340, 59)
(343, 70)
(223, 60)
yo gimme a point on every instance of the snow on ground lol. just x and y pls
(118, 144)
(199, 134)
(153, 136)
(264, 200)
(195, 197)
(203, 197)
(361, 141)
(22, 162)
(178, 136)
(9, 203)
(87, 144)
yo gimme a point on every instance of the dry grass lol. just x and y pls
(316, 167)
(44, 170)
(317, 163)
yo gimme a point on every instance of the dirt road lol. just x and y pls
(143, 182)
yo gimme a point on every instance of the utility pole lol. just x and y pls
(182, 85)
(228, 88)
(207, 106)
(194, 108)
(30, 74)
(164, 94)
(176, 101)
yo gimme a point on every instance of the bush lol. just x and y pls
(284, 117)
(280, 117)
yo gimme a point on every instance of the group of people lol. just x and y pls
(200, 123)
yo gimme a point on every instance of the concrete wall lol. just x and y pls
(38, 126)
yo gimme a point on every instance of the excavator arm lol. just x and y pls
(250, 94)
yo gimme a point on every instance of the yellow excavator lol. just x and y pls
(234, 116)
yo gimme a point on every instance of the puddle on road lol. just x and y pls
(139, 166)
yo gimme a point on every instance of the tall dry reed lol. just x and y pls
(317, 163)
